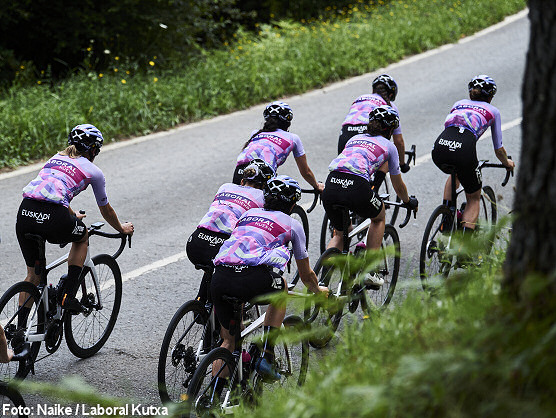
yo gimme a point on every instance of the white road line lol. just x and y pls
(505, 126)
(153, 266)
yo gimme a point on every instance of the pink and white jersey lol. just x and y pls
(364, 154)
(359, 111)
(272, 147)
(231, 201)
(260, 238)
(62, 178)
(476, 116)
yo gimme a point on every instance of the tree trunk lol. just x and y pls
(533, 243)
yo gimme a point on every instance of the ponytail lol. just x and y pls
(476, 94)
(382, 90)
(272, 124)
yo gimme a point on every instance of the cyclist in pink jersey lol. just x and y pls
(457, 145)
(230, 202)
(273, 143)
(365, 156)
(384, 93)
(250, 263)
(45, 209)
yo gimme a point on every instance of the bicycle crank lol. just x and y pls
(53, 337)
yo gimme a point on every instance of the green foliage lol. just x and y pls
(279, 60)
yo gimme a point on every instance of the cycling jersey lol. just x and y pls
(62, 178)
(272, 147)
(359, 111)
(230, 202)
(260, 238)
(364, 154)
(476, 116)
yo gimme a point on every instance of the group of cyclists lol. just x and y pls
(246, 233)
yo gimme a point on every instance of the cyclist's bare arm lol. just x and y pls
(503, 157)
(109, 214)
(400, 145)
(308, 276)
(399, 187)
(306, 172)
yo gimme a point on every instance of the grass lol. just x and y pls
(281, 59)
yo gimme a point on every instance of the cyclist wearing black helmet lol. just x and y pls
(46, 210)
(384, 93)
(273, 143)
(251, 261)
(230, 202)
(457, 144)
(349, 181)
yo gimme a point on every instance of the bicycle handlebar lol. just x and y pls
(315, 198)
(509, 172)
(94, 230)
(408, 210)
(411, 154)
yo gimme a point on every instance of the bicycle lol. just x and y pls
(99, 292)
(437, 255)
(327, 231)
(345, 288)
(12, 401)
(236, 371)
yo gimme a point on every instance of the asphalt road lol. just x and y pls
(165, 182)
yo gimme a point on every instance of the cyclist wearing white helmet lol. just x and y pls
(349, 182)
(457, 144)
(273, 143)
(230, 202)
(384, 93)
(45, 209)
(250, 263)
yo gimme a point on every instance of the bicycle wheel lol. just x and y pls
(213, 383)
(326, 321)
(292, 357)
(434, 259)
(487, 214)
(15, 331)
(326, 233)
(178, 357)
(87, 332)
(388, 269)
(10, 397)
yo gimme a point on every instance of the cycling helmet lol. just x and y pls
(258, 172)
(280, 110)
(485, 83)
(283, 189)
(86, 137)
(387, 116)
(389, 82)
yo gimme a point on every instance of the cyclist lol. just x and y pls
(456, 145)
(349, 181)
(250, 263)
(6, 353)
(273, 143)
(230, 202)
(45, 209)
(384, 93)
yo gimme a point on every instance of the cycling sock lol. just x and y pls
(221, 383)
(22, 316)
(72, 281)
(269, 333)
(447, 202)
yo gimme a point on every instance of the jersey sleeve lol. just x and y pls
(393, 159)
(298, 150)
(298, 240)
(98, 183)
(496, 130)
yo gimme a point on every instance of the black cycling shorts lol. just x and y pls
(347, 132)
(352, 191)
(457, 147)
(244, 283)
(203, 245)
(238, 173)
(51, 221)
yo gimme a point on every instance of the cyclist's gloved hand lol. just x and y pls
(412, 203)
(405, 167)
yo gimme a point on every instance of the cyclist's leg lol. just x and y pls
(6, 353)
(470, 177)
(471, 212)
(336, 194)
(376, 231)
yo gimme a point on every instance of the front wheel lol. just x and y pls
(87, 332)
(187, 336)
(292, 354)
(15, 321)
(434, 259)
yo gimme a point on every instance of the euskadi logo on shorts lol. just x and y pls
(345, 183)
(211, 240)
(38, 216)
(452, 145)
(357, 128)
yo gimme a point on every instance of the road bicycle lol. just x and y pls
(327, 230)
(223, 379)
(438, 255)
(86, 331)
(343, 276)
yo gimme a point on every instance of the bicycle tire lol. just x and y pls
(292, 358)
(9, 308)
(487, 216)
(328, 322)
(202, 398)
(326, 232)
(299, 213)
(11, 396)
(177, 360)
(431, 259)
(388, 269)
(87, 332)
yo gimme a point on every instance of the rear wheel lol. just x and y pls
(487, 215)
(15, 321)
(88, 331)
(178, 354)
